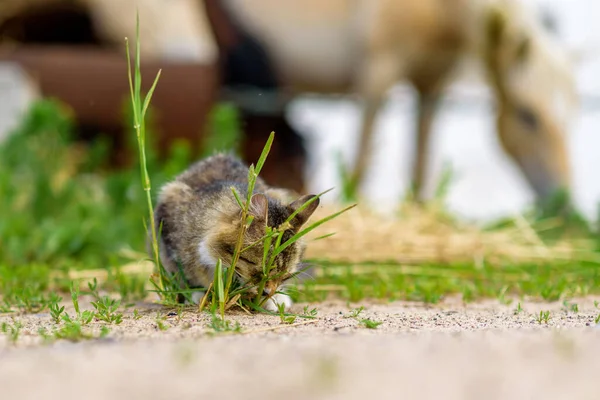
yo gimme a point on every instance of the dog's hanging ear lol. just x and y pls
(303, 216)
(495, 49)
(259, 207)
(495, 28)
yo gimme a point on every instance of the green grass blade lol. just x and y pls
(303, 232)
(220, 289)
(150, 93)
(265, 153)
(324, 236)
(303, 206)
(237, 197)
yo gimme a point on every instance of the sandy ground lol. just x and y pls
(450, 351)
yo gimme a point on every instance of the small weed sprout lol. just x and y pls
(502, 296)
(136, 315)
(597, 320)
(355, 312)
(573, 307)
(56, 312)
(544, 317)
(11, 330)
(160, 324)
(519, 309)
(285, 318)
(219, 325)
(369, 323)
(106, 310)
(366, 322)
(309, 313)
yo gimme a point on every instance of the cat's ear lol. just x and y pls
(305, 214)
(259, 206)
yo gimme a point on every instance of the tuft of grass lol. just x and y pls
(160, 322)
(365, 322)
(354, 313)
(519, 309)
(72, 331)
(544, 317)
(56, 312)
(285, 318)
(369, 323)
(106, 308)
(12, 331)
(309, 312)
(573, 307)
(219, 325)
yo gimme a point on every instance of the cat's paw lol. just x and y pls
(278, 298)
(196, 298)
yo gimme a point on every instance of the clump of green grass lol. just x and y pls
(432, 282)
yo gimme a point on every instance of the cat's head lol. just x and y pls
(267, 211)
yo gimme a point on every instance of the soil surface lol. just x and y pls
(485, 350)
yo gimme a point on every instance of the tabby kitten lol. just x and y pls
(201, 221)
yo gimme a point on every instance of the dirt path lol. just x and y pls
(449, 351)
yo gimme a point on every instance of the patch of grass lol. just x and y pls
(431, 283)
(597, 320)
(72, 331)
(220, 325)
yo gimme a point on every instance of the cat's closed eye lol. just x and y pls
(230, 251)
(247, 261)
